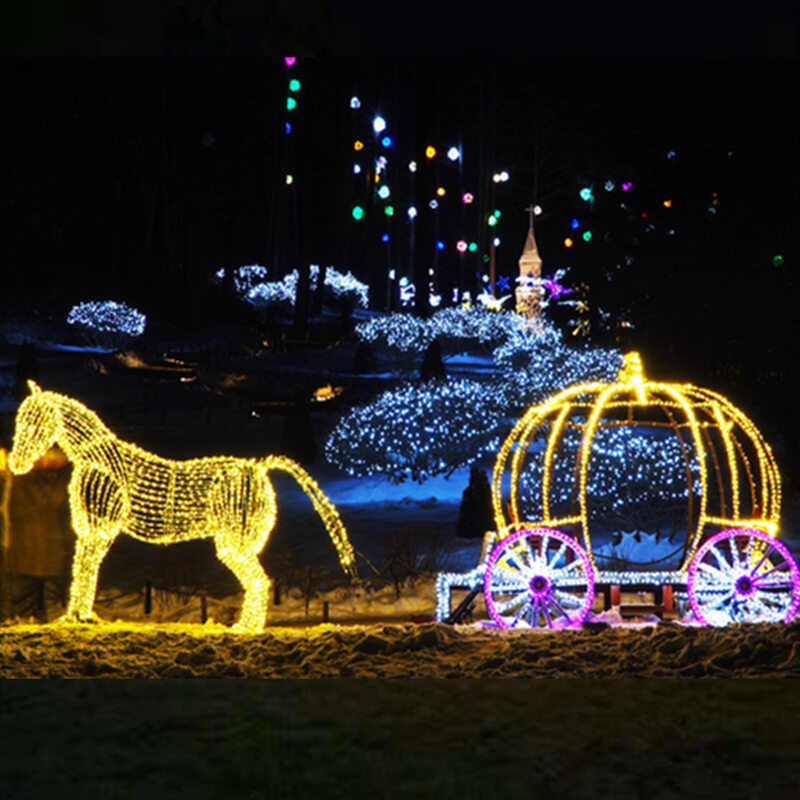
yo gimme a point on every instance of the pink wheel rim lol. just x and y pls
(743, 575)
(538, 577)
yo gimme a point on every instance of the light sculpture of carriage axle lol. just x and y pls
(535, 574)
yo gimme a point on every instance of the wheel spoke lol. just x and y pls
(546, 614)
(702, 565)
(762, 559)
(560, 609)
(519, 614)
(512, 558)
(785, 582)
(721, 560)
(739, 556)
(533, 617)
(544, 543)
(514, 578)
(505, 605)
(727, 596)
(567, 598)
(525, 548)
(562, 571)
(560, 552)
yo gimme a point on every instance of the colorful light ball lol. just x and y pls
(461, 246)
(430, 151)
(467, 198)
(379, 124)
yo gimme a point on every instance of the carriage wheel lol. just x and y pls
(743, 575)
(538, 578)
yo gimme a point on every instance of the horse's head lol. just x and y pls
(35, 430)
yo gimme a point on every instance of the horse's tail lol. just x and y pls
(326, 510)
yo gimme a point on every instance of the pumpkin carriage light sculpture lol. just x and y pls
(733, 568)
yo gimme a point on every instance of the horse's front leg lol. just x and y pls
(90, 550)
(99, 508)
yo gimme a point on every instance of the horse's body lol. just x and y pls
(116, 487)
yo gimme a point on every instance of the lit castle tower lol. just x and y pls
(529, 291)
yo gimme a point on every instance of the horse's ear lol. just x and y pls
(34, 388)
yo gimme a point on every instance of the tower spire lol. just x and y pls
(528, 294)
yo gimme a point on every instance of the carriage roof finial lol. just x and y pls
(34, 388)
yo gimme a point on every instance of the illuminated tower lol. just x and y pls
(529, 291)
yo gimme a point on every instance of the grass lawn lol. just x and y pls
(400, 738)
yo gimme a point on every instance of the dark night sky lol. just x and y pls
(136, 179)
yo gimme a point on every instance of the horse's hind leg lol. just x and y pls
(243, 562)
(241, 515)
(89, 553)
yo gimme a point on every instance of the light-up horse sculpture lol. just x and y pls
(116, 487)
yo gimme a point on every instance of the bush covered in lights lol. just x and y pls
(245, 277)
(417, 432)
(106, 324)
(339, 287)
(532, 365)
(410, 334)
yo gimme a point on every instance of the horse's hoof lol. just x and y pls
(240, 628)
(74, 619)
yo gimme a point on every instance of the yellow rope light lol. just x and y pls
(552, 442)
(702, 409)
(116, 487)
